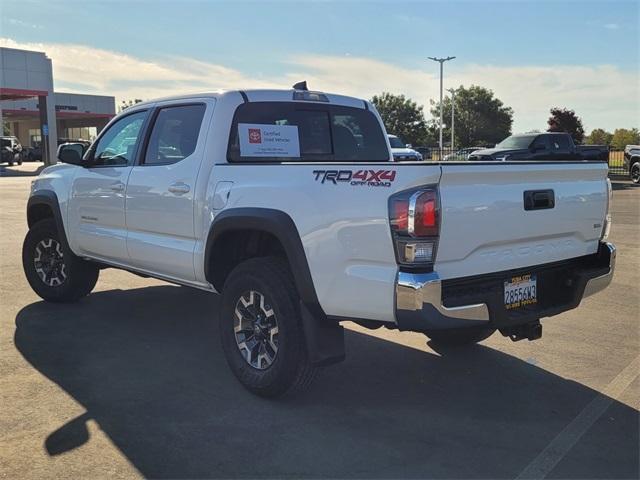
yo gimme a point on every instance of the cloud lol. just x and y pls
(21, 23)
(611, 26)
(604, 96)
(97, 71)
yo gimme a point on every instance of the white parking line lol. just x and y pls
(569, 436)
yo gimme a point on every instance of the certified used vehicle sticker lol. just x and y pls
(258, 140)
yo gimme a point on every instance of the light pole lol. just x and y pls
(441, 61)
(452, 91)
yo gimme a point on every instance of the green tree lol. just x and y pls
(623, 137)
(128, 103)
(565, 120)
(403, 117)
(480, 117)
(598, 136)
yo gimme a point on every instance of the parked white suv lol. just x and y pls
(402, 152)
(289, 204)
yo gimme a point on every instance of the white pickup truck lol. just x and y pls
(289, 204)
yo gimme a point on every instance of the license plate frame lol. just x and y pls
(520, 291)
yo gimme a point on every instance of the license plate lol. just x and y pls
(520, 291)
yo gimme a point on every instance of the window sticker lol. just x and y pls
(258, 140)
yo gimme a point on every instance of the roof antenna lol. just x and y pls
(301, 86)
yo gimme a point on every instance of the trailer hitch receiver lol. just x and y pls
(530, 331)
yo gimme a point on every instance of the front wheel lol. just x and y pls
(53, 271)
(460, 336)
(635, 172)
(260, 328)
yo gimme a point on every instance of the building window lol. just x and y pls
(81, 133)
(35, 137)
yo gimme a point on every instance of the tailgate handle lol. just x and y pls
(539, 199)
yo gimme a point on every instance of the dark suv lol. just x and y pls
(632, 162)
(11, 150)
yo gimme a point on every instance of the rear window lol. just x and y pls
(296, 131)
(516, 141)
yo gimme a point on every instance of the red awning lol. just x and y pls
(59, 114)
(20, 93)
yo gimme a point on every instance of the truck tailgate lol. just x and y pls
(486, 228)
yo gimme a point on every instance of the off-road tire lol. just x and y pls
(290, 370)
(635, 172)
(80, 276)
(460, 336)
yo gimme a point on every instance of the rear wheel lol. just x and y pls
(460, 336)
(635, 172)
(53, 271)
(260, 328)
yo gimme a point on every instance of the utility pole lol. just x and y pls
(441, 61)
(452, 91)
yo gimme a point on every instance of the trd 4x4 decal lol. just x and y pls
(368, 178)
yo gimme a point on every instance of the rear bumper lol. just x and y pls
(425, 302)
(600, 282)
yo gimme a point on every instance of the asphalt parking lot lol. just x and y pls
(132, 382)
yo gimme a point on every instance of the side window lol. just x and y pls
(562, 142)
(175, 134)
(540, 143)
(117, 146)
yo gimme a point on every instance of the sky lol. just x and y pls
(583, 55)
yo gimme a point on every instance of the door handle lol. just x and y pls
(117, 187)
(539, 199)
(179, 188)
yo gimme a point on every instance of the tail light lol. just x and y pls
(606, 228)
(414, 216)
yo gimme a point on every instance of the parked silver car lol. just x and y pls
(461, 155)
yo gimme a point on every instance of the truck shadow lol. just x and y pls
(623, 185)
(147, 366)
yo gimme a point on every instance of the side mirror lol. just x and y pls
(408, 145)
(70, 153)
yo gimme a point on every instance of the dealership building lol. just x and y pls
(31, 110)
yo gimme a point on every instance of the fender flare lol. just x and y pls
(280, 225)
(324, 337)
(49, 198)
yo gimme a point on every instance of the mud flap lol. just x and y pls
(325, 340)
